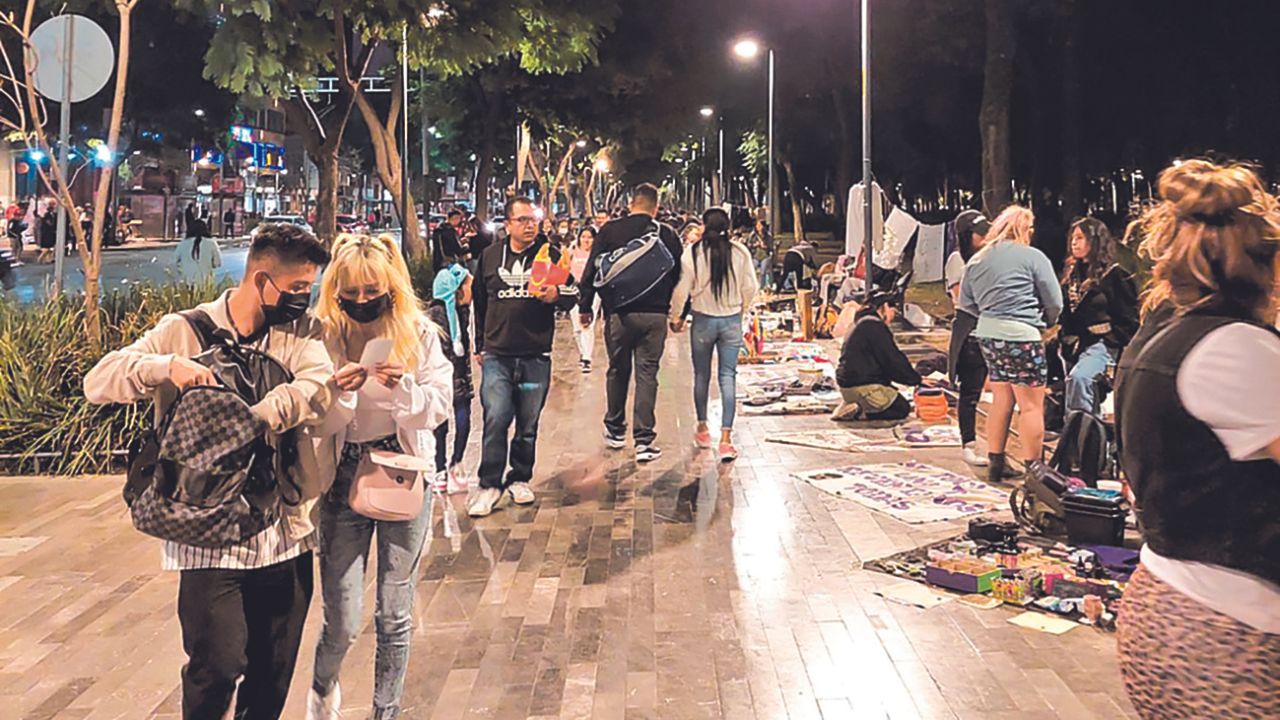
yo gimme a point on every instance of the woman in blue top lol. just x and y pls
(1012, 290)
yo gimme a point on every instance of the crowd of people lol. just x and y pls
(376, 371)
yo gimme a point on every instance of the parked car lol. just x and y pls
(352, 224)
(298, 220)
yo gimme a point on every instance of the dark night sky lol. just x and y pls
(1158, 79)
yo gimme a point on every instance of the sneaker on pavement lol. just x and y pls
(614, 442)
(586, 366)
(324, 707)
(440, 483)
(647, 453)
(702, 439)
(973, 457)
(521, 493)
(728, 453)
(483, 502)
(459, 480)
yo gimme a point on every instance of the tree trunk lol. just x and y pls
(1072, 172)
(993, 119)
(386, 155)
(797, 209)
(848, 139)
(327, 195)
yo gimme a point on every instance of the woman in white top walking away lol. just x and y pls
(718, 279)
(395, 405)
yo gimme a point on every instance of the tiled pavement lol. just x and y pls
(683, 589)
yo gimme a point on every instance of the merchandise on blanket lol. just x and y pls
(922, 436)
(931, 405)
(841, 440)
(809, 405)
(910, 491)
(964, 573)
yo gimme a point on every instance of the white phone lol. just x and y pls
(377, 350)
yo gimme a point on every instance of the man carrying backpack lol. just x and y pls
(242, 606)
(642, 256)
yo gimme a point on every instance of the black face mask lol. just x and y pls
(288, 308)
(367, 311)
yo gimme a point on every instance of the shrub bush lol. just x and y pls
(44, 355)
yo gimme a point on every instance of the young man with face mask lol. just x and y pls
(242, 607)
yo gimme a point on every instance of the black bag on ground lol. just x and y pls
(208, 476)
(1084, 448)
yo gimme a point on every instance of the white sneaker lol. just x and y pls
(521, 493)
(647, 453)
(483, 502)
(324, 707)
(459, 480)
(613, 442)
(440, 481)
(973, 457)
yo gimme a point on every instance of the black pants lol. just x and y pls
(635, 340)
(899, 410)
(242, 623)
(971, 374)
(461, 433)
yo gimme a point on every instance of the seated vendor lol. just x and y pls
(870, 362)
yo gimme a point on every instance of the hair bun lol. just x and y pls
(1205, 192)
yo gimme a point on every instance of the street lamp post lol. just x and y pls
(867, 195)
(747, 49)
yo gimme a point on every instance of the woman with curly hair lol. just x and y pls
(1198, 417)
(1101, 310)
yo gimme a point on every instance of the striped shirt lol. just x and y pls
(269, 547)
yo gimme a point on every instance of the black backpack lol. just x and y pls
(207, 475)
(1085, 449)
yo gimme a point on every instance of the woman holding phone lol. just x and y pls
(397, 389)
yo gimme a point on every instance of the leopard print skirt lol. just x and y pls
(1180, 659)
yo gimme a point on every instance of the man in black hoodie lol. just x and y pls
(514, 330)
(636, 333)
(870, 362)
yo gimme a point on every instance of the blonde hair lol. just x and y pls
(1213, 239)
(1014, 223)
(360, 260)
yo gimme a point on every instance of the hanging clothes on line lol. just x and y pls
(901, 227)
(930, 258)
(854, 235)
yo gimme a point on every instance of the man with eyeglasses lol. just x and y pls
(514, 330)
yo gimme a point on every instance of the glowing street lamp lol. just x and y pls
(747, 49)
(581, 143)
(199, 112)
(707, 112)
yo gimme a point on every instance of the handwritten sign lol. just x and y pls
(911, 492)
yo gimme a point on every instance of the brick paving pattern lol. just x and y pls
(682, 589)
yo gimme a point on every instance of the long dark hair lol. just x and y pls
(1102, 250)
(716, 246)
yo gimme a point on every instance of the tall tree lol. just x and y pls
(997, 92)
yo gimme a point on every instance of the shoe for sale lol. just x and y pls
(483, 502)
(728, 453)
(586, 366)
(972, 457)
(702, 439)
(440, 483)
(614, 442)
(647, 453)
(521, 493)
(459, 480)
(324, 707)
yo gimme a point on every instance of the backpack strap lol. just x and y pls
(207, 331)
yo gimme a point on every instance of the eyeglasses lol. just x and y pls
(525, 220)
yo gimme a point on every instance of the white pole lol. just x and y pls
(867, 194)
(60, 246)
(724, 192)
(773, 211)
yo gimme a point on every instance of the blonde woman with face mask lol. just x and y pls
(395, 405)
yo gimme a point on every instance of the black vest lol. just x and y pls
(1193, 501)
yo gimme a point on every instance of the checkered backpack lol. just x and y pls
(208, 476)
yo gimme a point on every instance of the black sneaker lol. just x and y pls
(585, 365)
(647, 453)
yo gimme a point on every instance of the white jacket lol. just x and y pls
(420, 404)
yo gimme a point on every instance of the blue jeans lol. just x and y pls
(724, 336)
(1092, 363)
(344, 558)
(511, 389)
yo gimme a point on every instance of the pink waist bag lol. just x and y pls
(388, 486)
